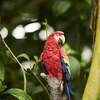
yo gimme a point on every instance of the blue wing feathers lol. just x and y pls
(67, 89)
(65, 69)
(44, 68)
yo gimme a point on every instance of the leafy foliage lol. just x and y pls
(20, 94)
(24, 55)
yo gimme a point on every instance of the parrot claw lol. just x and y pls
(43, 75)
(61, 88)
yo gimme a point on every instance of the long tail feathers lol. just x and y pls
(67, 90)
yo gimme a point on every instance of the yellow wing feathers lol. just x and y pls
(66, 60)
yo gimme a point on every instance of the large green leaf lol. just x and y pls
(24, 55)
(60, 7)
(18, 93)
(74, 67)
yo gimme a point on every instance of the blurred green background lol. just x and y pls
(22, 24)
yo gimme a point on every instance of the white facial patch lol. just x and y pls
(56, 36)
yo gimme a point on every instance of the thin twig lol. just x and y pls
(16, 61)
(46, 28)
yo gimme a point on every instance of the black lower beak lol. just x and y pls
(60, 41)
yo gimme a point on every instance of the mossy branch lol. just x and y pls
(22, 68)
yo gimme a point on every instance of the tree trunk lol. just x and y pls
(93, 84)
(55, 88)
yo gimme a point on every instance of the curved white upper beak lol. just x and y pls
(62, 37)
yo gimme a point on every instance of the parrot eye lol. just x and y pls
(57, 35)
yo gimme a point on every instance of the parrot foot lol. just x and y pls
(43, 75)
(61, 88)
(46, 77)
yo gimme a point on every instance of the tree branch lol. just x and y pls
(93, 84)
(56, 87)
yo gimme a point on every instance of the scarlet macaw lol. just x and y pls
(54, 60)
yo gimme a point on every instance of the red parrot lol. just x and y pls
(54, 60)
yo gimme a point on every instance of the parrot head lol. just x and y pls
(55, 38)
(59, 37)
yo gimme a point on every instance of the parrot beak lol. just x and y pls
(61, 39)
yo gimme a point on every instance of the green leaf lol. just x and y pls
(74, 67)
(36, 58)
(18, 93)
(2, 70)
(24, 55)
(61, 7)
